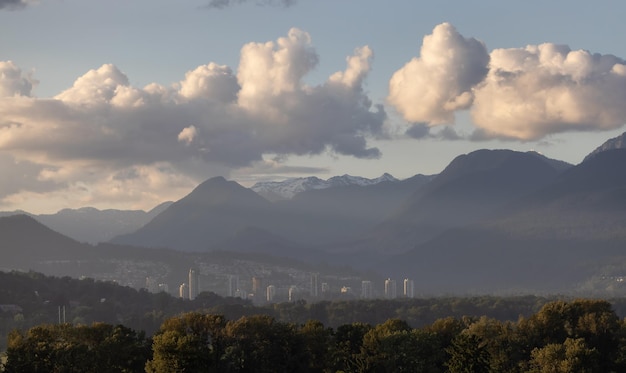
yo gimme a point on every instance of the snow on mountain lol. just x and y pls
(618, 142)
(287, 189)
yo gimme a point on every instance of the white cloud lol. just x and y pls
(430, 88)
(538, 90)
(518, 93)
(104, 126)
(211, 82)
(188, 134)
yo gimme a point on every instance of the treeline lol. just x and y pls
(576, 336)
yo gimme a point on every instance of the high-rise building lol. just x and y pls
(270, 293)
(366, 289)
(293, 293)
(233, 285)
(183, 291)
(325, 288)
(257, 285)
(390, 289)
(409, 288)
(314, 286)
(193, 284)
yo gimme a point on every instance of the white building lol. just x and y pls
(390, 289)
(193, 284)
(271, 293)
(409, 288)
(314, 286)
(183, 291)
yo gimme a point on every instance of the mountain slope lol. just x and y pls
(618, 142)
(325, 216)
(472, 187)
(561, 236)
(214, 211)
(23, 240)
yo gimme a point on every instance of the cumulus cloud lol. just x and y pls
(14, 4)
(188, 134)
(13, 82)
(221, 4)
(538, 90)
(212, 121)
(431, 87)
(517, 93)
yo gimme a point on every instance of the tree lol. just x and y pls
(67, 348)
(571, 356)
(468, 354)
(261, 344)
(347, 346)
(192, 342)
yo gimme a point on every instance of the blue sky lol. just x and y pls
(50, 118)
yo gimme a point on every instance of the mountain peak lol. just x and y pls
(618, 142)
(217, 191)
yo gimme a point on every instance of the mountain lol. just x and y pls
(287, 189)
(213, 212)
(569, 234)
(341, 213)
(618, 142)
(469, 189)
(91, 225)
(26, 242)
(217, 211)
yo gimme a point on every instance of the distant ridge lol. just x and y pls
(91, 225)
(618, 142)
(26, 241)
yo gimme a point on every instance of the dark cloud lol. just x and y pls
(221, 4)
(13, 4)
(448, 133)
(418, 131)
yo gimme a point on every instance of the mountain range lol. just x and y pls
(92, 225)
(492, 220)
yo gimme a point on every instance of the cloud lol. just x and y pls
(517, 93)
(13, 82)
(213, 121)
(430, 88)
(423, 131)
(539, 90)
(221, 4)
(14, 4)
(188, 134)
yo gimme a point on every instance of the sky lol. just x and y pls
(125, 104)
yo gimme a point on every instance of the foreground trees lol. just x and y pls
(578, 336)
(66, 348)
